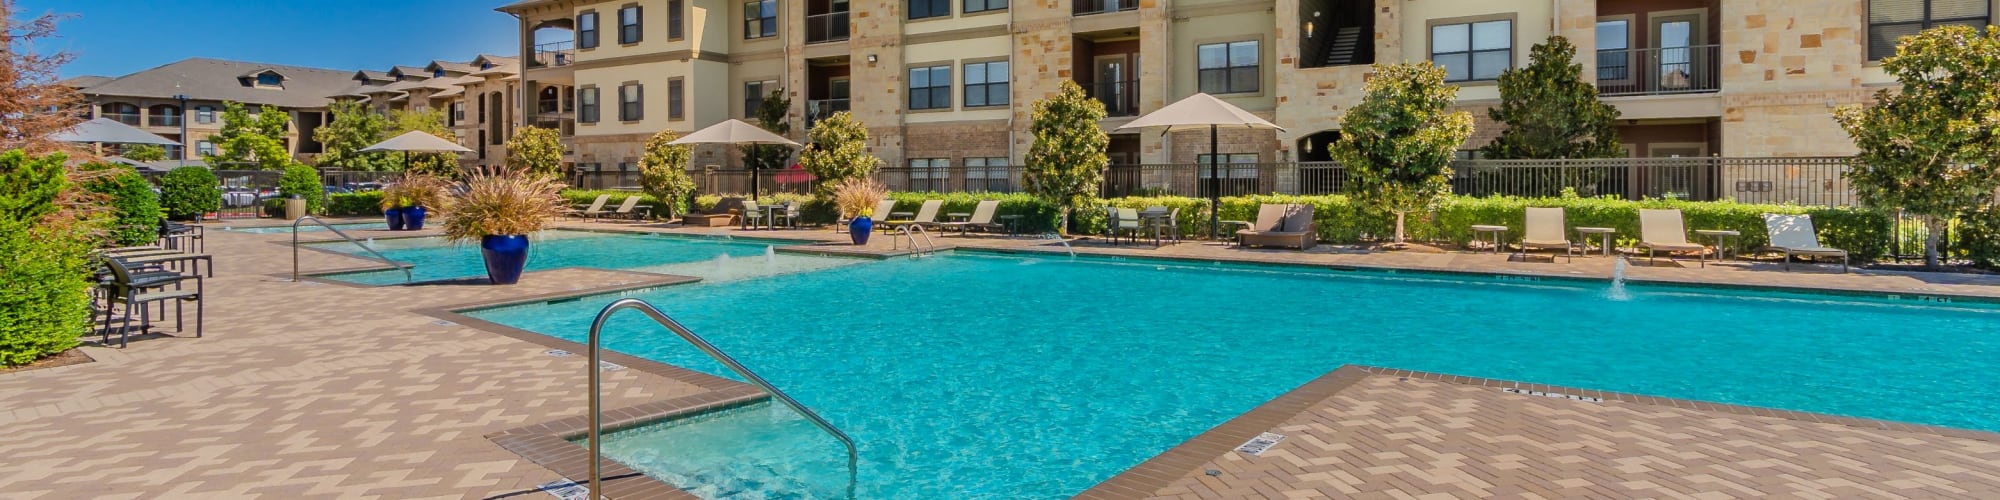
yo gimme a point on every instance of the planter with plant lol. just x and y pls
(500, 210)
(856, 198)
(411, 200)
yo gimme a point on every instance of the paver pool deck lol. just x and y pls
(322, 390)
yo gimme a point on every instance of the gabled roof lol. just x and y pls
(406, 72)
(222, 80)
(262, 70)
(373, 76)
(451, 68)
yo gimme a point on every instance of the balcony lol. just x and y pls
(553, 54)
(821, 109)
(125, 118)
(1088, 7)
(1119, 98)
(1659, 71)
(828, 27)
(164, 120)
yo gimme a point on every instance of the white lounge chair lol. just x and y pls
(982, 218)
(1546, 230)
(596, 207)
(1662, 230)
(1794, 235)
(926, 216)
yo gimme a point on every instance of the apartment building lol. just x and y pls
(480, 99)
(948, 82)
(184, 100)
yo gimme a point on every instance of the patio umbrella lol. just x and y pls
(1198, 111)
(733, 131)
(416, 141)
(106, 130)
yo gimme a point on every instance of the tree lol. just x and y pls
(251, 139)
(1550, 112)
(353, 128)
(536, 150)
(663, 170)
(836, 150)
(771, 114)
(304, 182)
(45, 257)
(1397, 144)
(1931, 148)
(1066, 162)
(33, 104)
(144, 152)
(135, 208)
(431, 122)
(188, 192)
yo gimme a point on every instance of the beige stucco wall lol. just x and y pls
(959, 20)
(653, 76)
(1532, 23)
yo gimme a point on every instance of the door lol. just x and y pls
(1113, 87)
(1681, 171)
(1676, 65)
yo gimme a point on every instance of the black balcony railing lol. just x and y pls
(125, 118)
(553, 54)
(820, 109)
(1119, 98)
(164, 120)
(1655, 71)
(828, 27)
(1087, 7)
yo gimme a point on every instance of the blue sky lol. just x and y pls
(116, 37)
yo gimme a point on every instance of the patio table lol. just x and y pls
(1603, 234)
(1478, 229)
(1721, 237)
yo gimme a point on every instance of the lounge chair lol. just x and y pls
(926, 216)
(624, 211)
(881, 212)
(596, 207)
(1546, 230)
(1125, 221)
(1794, 235)
(1289, 226)
(1662, 231)
(982, 219)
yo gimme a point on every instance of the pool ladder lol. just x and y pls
(928, 247)
(378, 255)
(597, 412)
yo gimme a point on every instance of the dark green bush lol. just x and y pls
(1978, 238)
(188, 192)
(354, 204)
(45, 262)
(302, 181)
(135, 208)
(1862, 232)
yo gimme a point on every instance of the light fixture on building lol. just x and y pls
(871, 58)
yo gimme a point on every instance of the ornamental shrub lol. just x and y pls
(354, 204)
(135, 208)
(45, 265)
(303, 181)
(188, 192)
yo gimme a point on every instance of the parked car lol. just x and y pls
(238, 197)
(331, 190)
(366, 186)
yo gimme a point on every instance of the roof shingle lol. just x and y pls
(216, 79)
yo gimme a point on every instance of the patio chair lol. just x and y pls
(139, 290)
(1545, 230)
(1794, 235)
(1125, 221)
(790, 214)
(1289, 226)
(625, 210)
(1662, 231)
(596, 207)
(750, 214)
(982, 219)
(1170, 226)
(178, 235)
(926, 216)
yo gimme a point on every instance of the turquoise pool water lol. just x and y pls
(984, 376)
(712, 258)
(310, 228)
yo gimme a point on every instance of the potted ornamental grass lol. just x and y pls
(412, 199)
(856, 199)
(499, 210)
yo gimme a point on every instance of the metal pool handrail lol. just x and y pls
(295, 248)
(596, 412)
(905, 231)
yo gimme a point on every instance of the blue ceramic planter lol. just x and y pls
(506, 256)
(413, 218)
(859, 229)
(395, 216)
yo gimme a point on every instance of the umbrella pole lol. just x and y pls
(1214, 187)
(750, 163)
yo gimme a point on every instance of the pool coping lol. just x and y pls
(1162, 470)
(548, 443)
(323, 276)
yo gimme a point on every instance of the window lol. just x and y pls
(986, 84)
(972, 6)
(676, 99)
(988, 174)
(1228, 68)
(920, 9)
(586, 105)
(204, 148)
(631, 102)
(930, 88)
(628, 25)
(929, 174)
(204, 114)
(457, 113)
(1891, 20)
(437, 73)
(760, 19)
(1473, 51)
(586, 30)
(269, 80)
(754, 94)
(676, 19)
(1614, 44)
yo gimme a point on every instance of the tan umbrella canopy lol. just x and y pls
(106, 130)
(733, 131)
(1203, 111)
(416, 141)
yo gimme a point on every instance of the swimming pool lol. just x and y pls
(309, 228)
(986, 376)
(710, 258)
